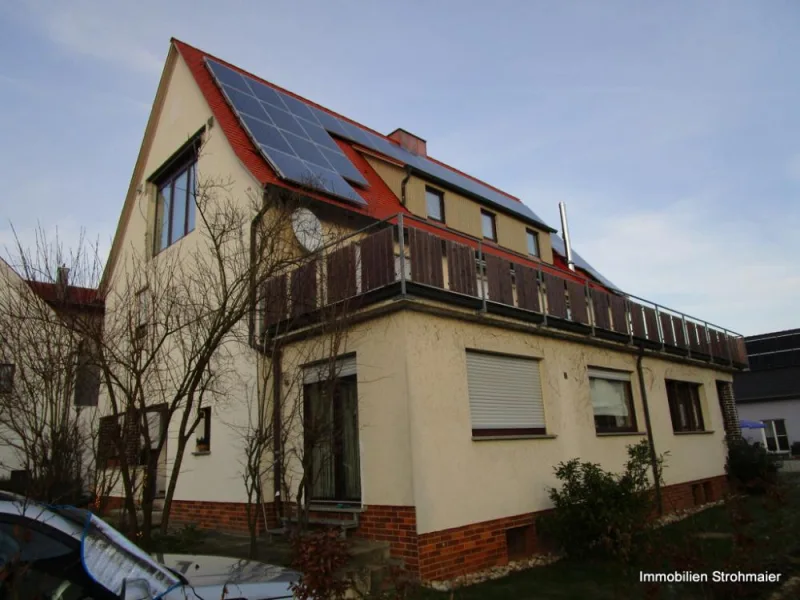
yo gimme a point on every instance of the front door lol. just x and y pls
(331, 441)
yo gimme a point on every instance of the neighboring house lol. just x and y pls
(770, 391)
(476, 359)
(48, 385)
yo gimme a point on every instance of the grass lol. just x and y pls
(752, 534)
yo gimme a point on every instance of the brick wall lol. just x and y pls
(396, 525)
(220, 516)
(446, 554)
(730, 414)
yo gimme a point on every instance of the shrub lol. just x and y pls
(750, 467)
(599, 511)
(320, 556)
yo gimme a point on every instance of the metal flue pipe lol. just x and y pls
(562, 208)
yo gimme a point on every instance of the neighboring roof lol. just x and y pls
(763, 386)
(774, 350)
(75, 296)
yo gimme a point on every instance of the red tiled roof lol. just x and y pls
(381, 201)
(241, 143)
(75, 296)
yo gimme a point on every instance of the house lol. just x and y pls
(770, 391)
(480, 351)
(48, 386)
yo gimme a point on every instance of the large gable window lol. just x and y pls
(505, 395)
(176, 202)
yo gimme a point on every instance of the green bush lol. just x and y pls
(750, 467)
(597, 511)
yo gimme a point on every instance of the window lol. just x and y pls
(204, 430)
(684, 406)
(38, 561)
(533, 242)
(142, 314)
(505, 395)
(434, 200)
(777, 438)
(7, 378)
(175, 202)
(331, 431)
(612, 401)
(488, 226)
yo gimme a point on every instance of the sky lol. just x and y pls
(670, 129)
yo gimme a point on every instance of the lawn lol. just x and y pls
(752, 534)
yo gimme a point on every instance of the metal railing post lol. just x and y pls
(686, 335)
(482, 270)
(708, 341)
(542, 295)
(590, 306)
(629, 319)
(659, 327)
(401, 237)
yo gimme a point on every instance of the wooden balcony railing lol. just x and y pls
(410, 257)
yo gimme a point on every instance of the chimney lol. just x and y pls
(565, 230)
(409, 141)
(62, 280)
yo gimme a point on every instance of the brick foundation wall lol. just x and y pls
(220, 516)
(396, 525)
(446, 554)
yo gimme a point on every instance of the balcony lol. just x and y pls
(407, 257)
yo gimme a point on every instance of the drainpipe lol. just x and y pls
(403, 185)
(650, 442)
(277, 449)
(251, 321)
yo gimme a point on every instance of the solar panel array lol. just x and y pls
(289, 135)
(293, 134)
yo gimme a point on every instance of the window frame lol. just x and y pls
(439, 194)
(8, 371)
(204, 412)
(479, 433)
(493, 221)
(769, 425)
(534, 235)
(183, 161)
(692, 405)
(624, 377)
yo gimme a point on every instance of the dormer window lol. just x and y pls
(488, 225)
(176, 184)
(434, 201)
(533, 242)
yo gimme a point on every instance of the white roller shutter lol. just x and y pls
(321, 371)
(505, 392)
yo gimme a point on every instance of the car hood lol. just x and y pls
(204, 571)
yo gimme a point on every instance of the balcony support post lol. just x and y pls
(401, 239)
(589, 305)
(708, 341)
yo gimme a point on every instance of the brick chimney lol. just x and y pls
(409, 141)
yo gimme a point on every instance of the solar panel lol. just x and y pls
(283, 135)
(558, 246)
(295, 116)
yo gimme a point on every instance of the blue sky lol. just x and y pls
(671, 129)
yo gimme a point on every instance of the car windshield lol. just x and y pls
(110, 559)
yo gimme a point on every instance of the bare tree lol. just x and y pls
(176, 328)
(48, 407)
